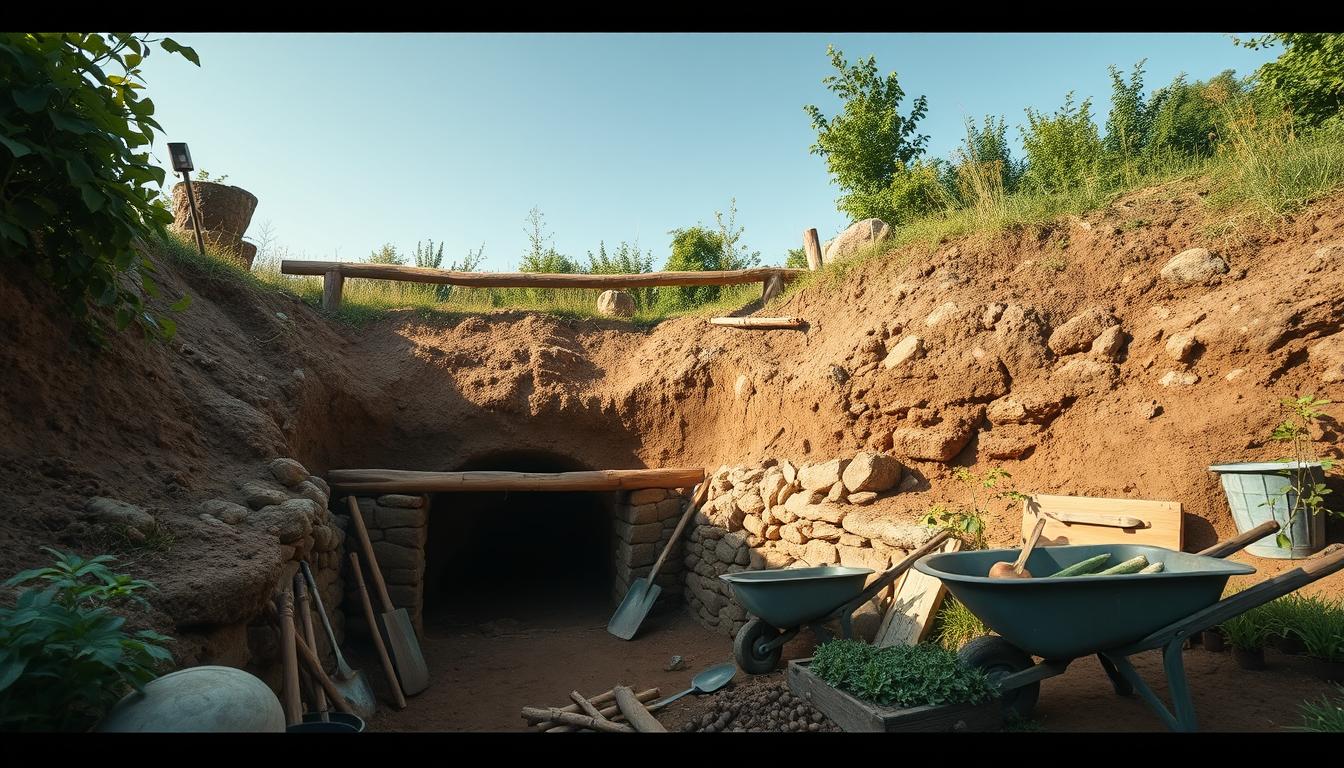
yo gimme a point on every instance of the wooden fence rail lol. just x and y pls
(407, 481)
(334, 273)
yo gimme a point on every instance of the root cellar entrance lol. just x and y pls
(510, 557)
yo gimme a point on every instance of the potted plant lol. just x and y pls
(1319, 624)
(1290, 491)
(64, 657)
(898, 688)
(1247, 634)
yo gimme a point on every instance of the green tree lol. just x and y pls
(694, 249)
(1128, 124)
(386, 255)
(541, 255)
(869, 144)
(427, 256)
(982, 168)
(1308, 76)
(735, 255)
(627, 259)
(1063, 149)
(78, 190)
(1188, 118)
(796, 259)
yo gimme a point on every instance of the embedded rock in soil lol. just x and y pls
(907, 349)
(941, 443)
(1080, 375)
(224, 586)
(1178, 378)
(112, 512)
(288, 471)
(288, 522)
(1026, 406)
(869, 471)
(941, 313)
(1195, 265)
(864, 497)
(1079, 331)
(857, 236)
(260, 495)
(615, 304)
(224, 510)
(1020, 341)
(1182, 347)
(1328, 355)
(743, 388)
(1109, 344)
(1007, 442)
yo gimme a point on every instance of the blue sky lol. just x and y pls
(353, 140)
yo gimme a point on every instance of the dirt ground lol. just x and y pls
(484, 673)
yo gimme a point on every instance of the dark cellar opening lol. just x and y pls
(524, 557)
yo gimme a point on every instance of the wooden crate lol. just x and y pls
(853, 714)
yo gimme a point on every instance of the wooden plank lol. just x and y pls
(534, 279)
(406, 481)
(759, 322)
(1161, 521)
(812, 245)
(855, 715)
(911, 614)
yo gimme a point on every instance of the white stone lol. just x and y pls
(907, 349)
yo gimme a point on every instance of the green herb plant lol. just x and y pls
(64, 656)
(1249, 631)
(1325, 715)
(968, 522)
(901, 675)
(1303, 495)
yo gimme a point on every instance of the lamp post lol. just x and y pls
(182, 164)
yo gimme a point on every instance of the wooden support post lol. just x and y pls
(635, 712)
(771, 287)
(332, 283)
(405, 481)
(812, 245)
(195, 214)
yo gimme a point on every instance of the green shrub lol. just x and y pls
(1324, 714)
(64, 658)
(900, 675)
(77, 186)
(1063, 150)
(1251, 630)
(1317, 622)
(1309, 74)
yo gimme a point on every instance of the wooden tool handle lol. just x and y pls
(696, 501)
(1031, 544)
(372, 621)
(375, 572)
(315, 669)
(1113, 521)
(635, 712)
(289, 661)
(306, 615)
(1241, 541)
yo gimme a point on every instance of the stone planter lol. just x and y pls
(224, 209)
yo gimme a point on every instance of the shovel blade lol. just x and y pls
(357, 694)
(404, 649)
(625, 622)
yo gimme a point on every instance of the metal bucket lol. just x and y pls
(1249, 486)
(339, 722)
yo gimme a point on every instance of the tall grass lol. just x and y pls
(1266, 166)
(1325, 714)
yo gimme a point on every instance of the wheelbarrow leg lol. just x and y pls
(1184, 717)
(1118, 681)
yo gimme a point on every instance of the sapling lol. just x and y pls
(1303, 494)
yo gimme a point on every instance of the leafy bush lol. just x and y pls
(1308, 75)
(64, 659)
(1189, 119)
(983, 170)
(77, 187)
(1324, 714)
(1063, 150)
(627, 259)
(901, 675)
(796, 259)
(869, 143)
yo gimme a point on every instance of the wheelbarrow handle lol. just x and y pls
(891, 574)
(1241, 541)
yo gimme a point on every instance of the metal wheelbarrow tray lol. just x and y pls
(1114, 617)
(784, 600)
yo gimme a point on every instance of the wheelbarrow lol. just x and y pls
(1114, 617)
(784, 600)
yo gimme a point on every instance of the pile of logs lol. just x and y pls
(603, 713)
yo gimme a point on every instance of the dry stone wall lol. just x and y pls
(775, 514)
(398, 527)
(642, 525)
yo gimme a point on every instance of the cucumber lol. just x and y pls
(1133, 565)
(1085, 567)
(1154, 568)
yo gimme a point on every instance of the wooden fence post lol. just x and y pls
(812, 245)
(771, 287)
(332, 282)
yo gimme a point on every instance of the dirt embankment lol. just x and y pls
(1063, 356)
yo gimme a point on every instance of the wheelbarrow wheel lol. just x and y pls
(997, 657)
(751, 657)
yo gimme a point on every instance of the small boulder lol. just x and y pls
(120, 514)
(260, 495)
(862, 498)
(221, 509)
(288, 471)
(1195, 265)
(907, 349)
(1182, 347)
(615, 304)
(1007, 442)
(870, 471)
(822, 476)
(1178, 378)
(1109, 344)
(1079, 331)
(858, 236)
(940, 443)
(942, 312)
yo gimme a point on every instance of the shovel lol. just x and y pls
(639, 600)
(709, 681)
(354, 688)
(402, 644)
